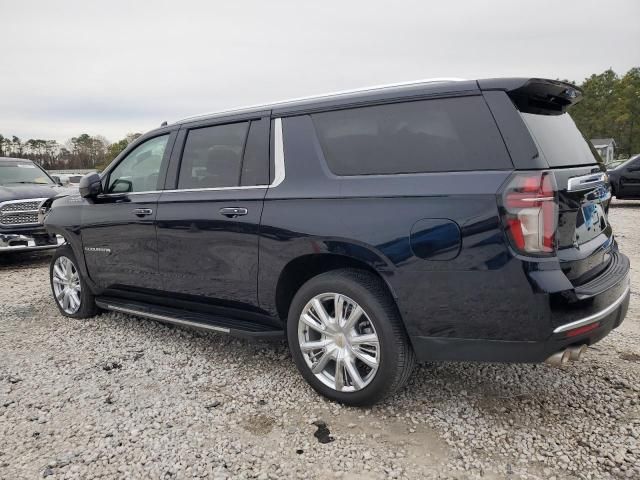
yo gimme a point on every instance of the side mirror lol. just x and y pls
(56, 179)
(90, 185)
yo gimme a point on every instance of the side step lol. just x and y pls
(231, 326)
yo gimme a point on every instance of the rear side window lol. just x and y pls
(212, 156)
(559, 140)
(452, 134)
(255, 164)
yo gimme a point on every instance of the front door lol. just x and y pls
(209, 219)
(118, 228)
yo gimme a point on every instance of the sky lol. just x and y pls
(112, 67)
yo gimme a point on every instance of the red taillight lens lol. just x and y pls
(530, 203)
(580, 330)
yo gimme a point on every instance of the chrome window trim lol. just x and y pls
(278, 178)
(278, 153)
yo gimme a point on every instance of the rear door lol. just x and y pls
(209, 216)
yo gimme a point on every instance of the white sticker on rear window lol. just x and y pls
(24, 165)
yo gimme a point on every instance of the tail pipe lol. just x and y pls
(576, 352)
(563, 357)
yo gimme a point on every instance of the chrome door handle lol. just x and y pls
(142, 212)
(233, 212)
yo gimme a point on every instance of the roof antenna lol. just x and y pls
(163, 124)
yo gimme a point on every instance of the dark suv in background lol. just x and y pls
(446, 220)
(625, 179)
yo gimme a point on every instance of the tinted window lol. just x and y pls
(212, 156)
(414, 137)
(255, 164)
(559, 140)
(139, 170)
(634, 162)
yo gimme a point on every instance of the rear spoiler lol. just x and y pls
(536, 95)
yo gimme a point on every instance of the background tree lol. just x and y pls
(115, 148)
(611, 109)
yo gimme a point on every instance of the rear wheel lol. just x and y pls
(70, 291)
(347, 339)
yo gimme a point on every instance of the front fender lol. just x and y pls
(63, 216)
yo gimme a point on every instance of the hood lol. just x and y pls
(23, 191)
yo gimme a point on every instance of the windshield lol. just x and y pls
(559, 140)
(19, 172)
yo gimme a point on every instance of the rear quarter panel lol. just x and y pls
(370, 218)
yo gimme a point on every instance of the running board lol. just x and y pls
(235, 327)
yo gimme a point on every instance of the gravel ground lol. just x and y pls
(121, 397)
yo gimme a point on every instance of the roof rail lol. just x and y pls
(323, 96)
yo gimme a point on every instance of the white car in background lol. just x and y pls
(71, 180)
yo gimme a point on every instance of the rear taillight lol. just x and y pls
(530, 212)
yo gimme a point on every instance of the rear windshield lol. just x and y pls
(439, 135)
(559, 140)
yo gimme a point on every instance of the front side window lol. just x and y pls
(139, 170)
(634, 164)
(212, 156)
(439, 135)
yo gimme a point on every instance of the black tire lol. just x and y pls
(396, 355)
(88, 307)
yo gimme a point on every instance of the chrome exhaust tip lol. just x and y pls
(559, 358)
(576, 352)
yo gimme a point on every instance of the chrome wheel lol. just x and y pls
(339, 342)
(66, 285)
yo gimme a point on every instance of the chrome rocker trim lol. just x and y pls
(163, 318)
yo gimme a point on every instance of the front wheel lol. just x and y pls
(347, 339)
(70, 291)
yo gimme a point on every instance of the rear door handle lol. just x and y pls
(142, 212)
(233, 212)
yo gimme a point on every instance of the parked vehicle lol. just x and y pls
(24, 186)
(625, 179)
(445, 220)
(68, 177)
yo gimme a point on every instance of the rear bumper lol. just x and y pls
(16, 242)
(583, 316)
(471, 350)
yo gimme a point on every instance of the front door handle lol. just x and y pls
(233, 212)
(142, 212)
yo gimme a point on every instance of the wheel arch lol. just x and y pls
(66, 223)
(301, 269)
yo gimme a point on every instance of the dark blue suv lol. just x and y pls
(442, 220)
